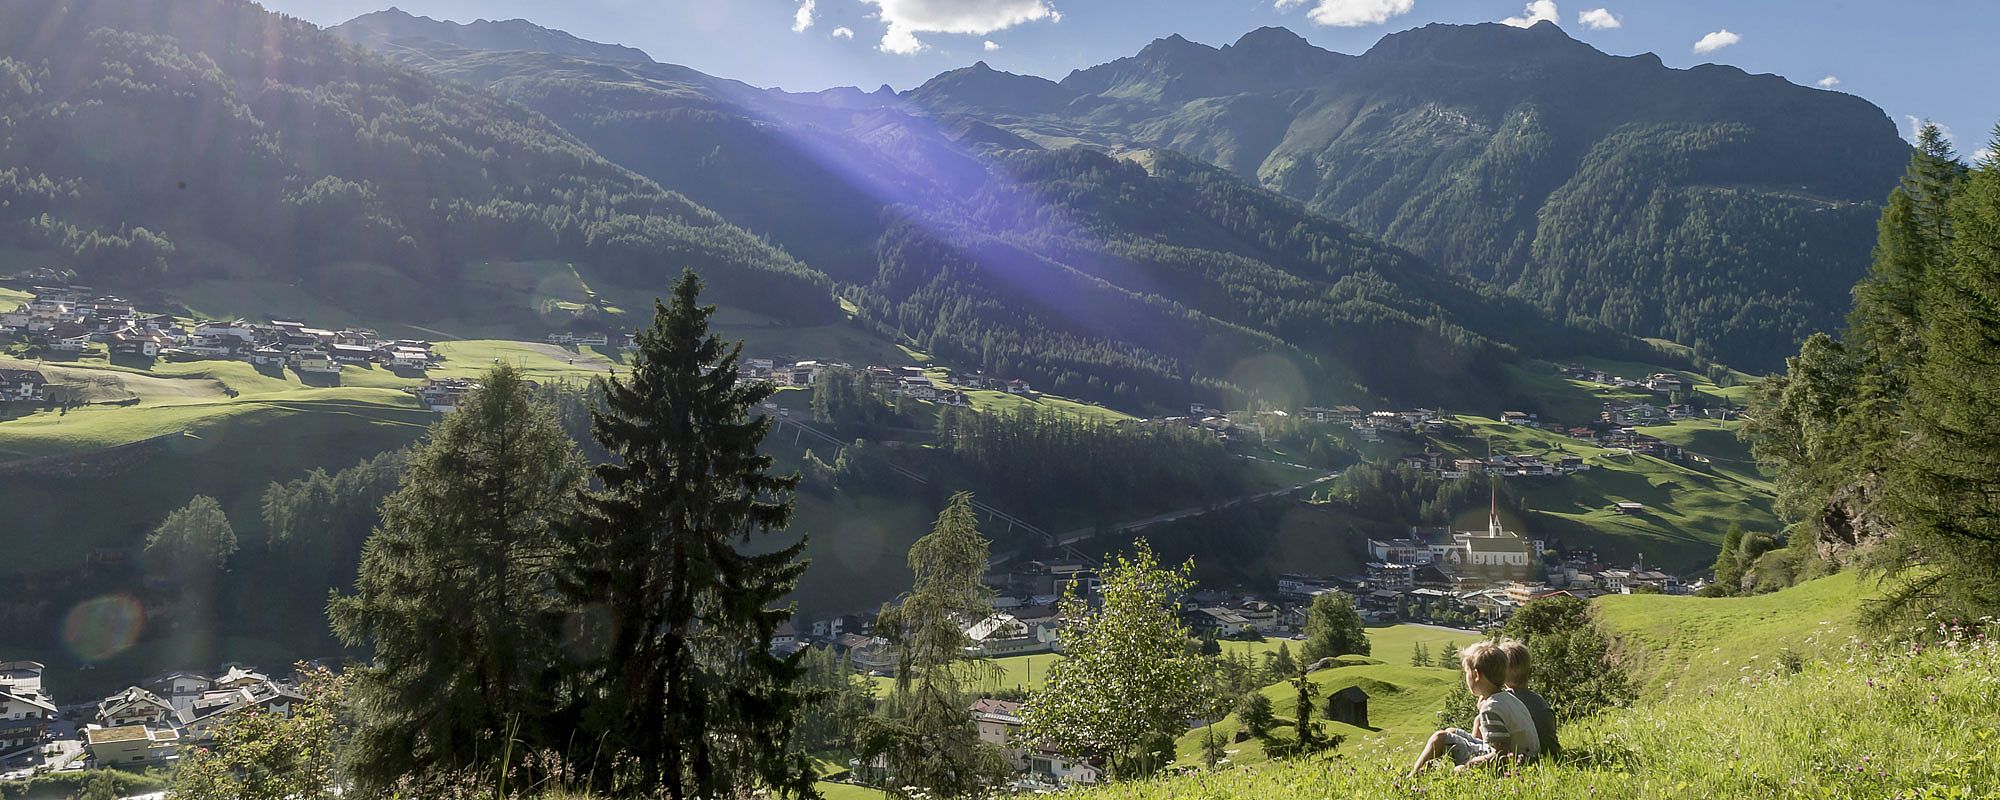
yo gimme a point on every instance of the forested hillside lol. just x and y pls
(1723, 210)
(1148, 280)
(176, 146)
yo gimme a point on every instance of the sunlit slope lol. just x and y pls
(1677, 646)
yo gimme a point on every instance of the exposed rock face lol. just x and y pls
(1850, 520)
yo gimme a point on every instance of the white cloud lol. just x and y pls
(1827, 82)
(1598, 19)
(1350, 13)
(803, 18)
(843, 32)
(1982, 155)
(1535, 11)
(907, 18)
(1716, 41)
(992, 45)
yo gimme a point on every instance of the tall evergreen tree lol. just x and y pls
(1945, 495)
(455, 597)
(934, 745)
(1914, 233)
(686, 698)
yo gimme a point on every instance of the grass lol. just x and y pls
(1402, 699)
(1724, 718)
(1866, 725)
(1677, 646)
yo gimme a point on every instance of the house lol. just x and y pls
(1629, 508)
(401, 356)
(24, 711)
(351, 353)
(999, 722)
(803, 373)
(445, 395)
(177, 684)
(1263, 617)
(1517, 417)
(241, 677)
(132, 746)
(1399, 551)
(1049, 766)
(215, 705)
(1221, 622)
(315, 361)
(21, 385)
(1389, 575)
(1018, 386)
(1349, 705)
(138, 342)
(1296, 585)
(1664, 382)
(268, 356)
(135, 706)
(917, 388)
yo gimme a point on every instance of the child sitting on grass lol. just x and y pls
(1518, 672)
(1501, 729)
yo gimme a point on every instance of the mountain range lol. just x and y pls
(1264, 220)
(1719, 209)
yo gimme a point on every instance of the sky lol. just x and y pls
(1928, 59)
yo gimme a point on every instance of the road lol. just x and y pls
(1080, 534)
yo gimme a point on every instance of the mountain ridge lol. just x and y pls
(387, 27)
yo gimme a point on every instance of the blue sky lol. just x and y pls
(1914, 58)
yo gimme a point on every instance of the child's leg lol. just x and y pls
(1434, 748)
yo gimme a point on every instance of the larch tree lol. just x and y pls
(454, 598)
(1127, 676)
(933, 744)
(684, 697)
(194, 538)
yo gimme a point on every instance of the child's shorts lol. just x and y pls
(1465, 746)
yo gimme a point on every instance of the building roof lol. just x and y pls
(122, 733)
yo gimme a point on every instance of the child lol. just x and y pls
(1518, 672)
(1502, 728)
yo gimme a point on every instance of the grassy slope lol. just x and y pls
(1890, 725)
(1678, 646)
(1719, 719)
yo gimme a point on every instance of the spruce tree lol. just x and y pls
(1945, 494)
(454, 597)
(686, 698)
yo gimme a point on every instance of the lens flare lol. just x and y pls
(102, 627)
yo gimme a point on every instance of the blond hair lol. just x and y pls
(1519, 668)
(1487, 659)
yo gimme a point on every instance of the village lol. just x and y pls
(143, 726)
